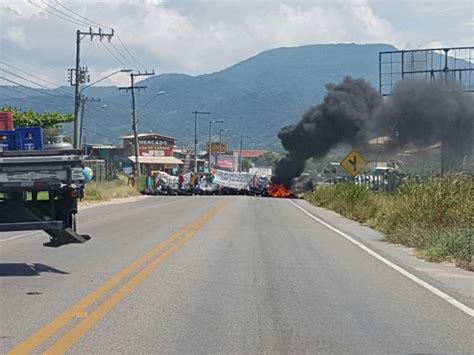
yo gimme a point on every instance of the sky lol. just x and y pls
(196, 36)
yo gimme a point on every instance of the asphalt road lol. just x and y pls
(214, 274)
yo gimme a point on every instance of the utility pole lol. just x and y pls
(132, 89)
(240, 151)
(196, 113)
(84, 99)
(80, 76)
(209, 150)
(220, 142)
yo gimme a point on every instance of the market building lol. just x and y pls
(156, 152)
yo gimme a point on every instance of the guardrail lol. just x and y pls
(382, 183)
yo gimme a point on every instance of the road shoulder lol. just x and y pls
(89, 204)
(447, 277)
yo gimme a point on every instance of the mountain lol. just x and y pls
(255, 97)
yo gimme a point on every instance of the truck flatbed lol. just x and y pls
(58, 175)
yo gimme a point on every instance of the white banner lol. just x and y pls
(173, 181)
(234, 180)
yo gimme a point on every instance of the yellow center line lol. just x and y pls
(179, 238)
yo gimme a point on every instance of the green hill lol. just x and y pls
(255, 97)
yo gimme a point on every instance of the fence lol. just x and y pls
(382, 183)
(104, 170)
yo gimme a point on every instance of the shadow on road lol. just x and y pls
(23, 269)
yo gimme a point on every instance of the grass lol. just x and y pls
(435, 216)
(108, 190)
(104, 191)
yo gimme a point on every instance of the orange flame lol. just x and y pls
(278, 190)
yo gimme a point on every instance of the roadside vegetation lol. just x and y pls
(51, 122)
(108, 190)
(435, 216)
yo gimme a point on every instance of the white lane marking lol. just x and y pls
(466, 309)
(18, 236)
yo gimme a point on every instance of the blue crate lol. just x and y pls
(29, 138)
(7, 140)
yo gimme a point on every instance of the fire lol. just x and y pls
(278, 190)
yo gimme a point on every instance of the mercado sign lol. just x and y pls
(155, 147)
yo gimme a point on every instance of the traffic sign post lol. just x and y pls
(353, 163)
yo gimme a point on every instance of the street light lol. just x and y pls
(154, 97)
(240, 152)
(196, 113)
(78, 119)
(209, 149)
(105, 77)
(220, 142)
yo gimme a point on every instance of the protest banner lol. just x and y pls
(233, 180)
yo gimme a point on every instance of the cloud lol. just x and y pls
(192, 37)
(194, 45)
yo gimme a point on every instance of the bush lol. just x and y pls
(350, 200)
(436, 216)
(435, 203)
(108, 190)
(453, 245)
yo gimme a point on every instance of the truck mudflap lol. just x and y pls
(65, 236)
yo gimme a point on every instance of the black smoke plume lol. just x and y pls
(344, 117)
(425, 112)
(419, 112)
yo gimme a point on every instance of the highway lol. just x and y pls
(211, 274)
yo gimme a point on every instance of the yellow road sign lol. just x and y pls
(353, 163)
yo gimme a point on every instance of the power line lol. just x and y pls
(150, 101)
(65, 14)
(21, 77)
(79, 15)
(100, 134)
(33, 89)
(113, 55)
(92, 55)
(102, 25)
(125, 58)
(27, 73)
(131, 55)
(25, 52)
(31, 81)
(97, 123)
(54, 14)
(27, 100)
(93, 108)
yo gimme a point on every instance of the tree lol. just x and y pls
(246, 164)
(266, 160)
(51, 122)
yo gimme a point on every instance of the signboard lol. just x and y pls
(187, 161)
(353, 163)
(234, 180)
(155, 147)
(225, 162)
(216, 148)
(151, 153)
(155, 152)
